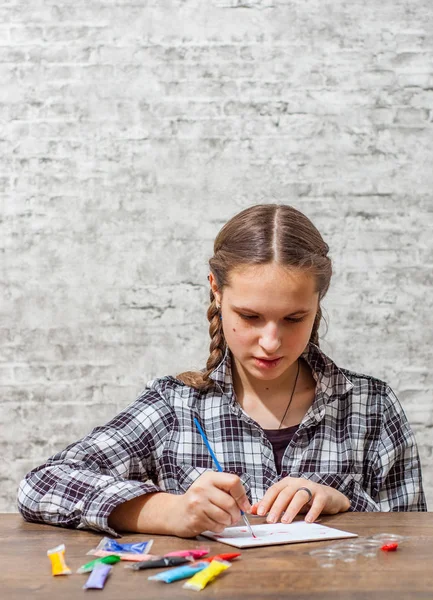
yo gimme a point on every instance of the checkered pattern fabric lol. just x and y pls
(355, 437)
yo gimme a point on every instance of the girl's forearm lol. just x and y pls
(151, 513)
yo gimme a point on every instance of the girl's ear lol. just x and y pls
(214, 288)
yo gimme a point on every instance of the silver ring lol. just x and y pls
(305, 489)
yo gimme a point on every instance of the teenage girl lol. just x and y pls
(293, 432)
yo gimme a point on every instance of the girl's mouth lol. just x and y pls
(264, 363)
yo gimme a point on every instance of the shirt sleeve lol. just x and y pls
(395, 482)
(80, 486)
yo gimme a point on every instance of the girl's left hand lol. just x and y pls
(286, 499)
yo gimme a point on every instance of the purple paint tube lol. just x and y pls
(97, 577)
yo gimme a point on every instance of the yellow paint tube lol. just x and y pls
(57, 558)
(201, 579)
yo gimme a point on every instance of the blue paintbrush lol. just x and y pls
(218, 466)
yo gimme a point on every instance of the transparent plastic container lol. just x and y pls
(388, 538)
(370, 548)
(349, 550)
(326, 557)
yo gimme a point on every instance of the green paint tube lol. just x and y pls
(107, 560)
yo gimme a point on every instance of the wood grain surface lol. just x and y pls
(286, 571)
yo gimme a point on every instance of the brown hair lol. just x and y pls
(259, 235)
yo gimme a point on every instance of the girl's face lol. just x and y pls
(268, 313)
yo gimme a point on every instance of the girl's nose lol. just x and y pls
(270, 339)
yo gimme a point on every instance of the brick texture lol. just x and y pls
(131, 131)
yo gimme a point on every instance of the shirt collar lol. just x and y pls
(222, 374)
(331, 381)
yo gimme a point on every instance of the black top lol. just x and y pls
(280, 439)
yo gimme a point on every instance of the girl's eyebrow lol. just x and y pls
(301, 311)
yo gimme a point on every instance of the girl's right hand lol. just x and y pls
(214, 501)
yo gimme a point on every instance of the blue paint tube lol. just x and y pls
(183, 572)
(111, 545)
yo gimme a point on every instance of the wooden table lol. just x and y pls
(273, 572)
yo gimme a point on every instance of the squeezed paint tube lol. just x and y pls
(228, 556)
(195, 553)
(201, 579)
(57, 558)
(109, 545)
(179, 572)
(97, 577)
(124, 555)
(112, 559)
(136, 551)
(168, 561)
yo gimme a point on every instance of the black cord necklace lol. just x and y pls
(291, 397)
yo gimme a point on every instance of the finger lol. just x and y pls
(269, 498)
(218, 516)
(240, 497)
(226, 503)
(210, 524)
(204, 493)
(254, 508)
(299, 499)
(282, 501)
(233, 485)
(222, 509)
(316, 509)
(206, 517)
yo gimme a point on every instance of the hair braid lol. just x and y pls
(201, 380)
(217, 345)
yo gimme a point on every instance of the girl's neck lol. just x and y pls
(247, 385)
(266, 403)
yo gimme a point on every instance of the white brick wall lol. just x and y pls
(129, 133)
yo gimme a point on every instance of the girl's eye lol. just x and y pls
(287, 319)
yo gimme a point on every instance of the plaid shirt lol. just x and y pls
(355, 437)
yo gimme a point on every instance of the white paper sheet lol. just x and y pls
(277, 533)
